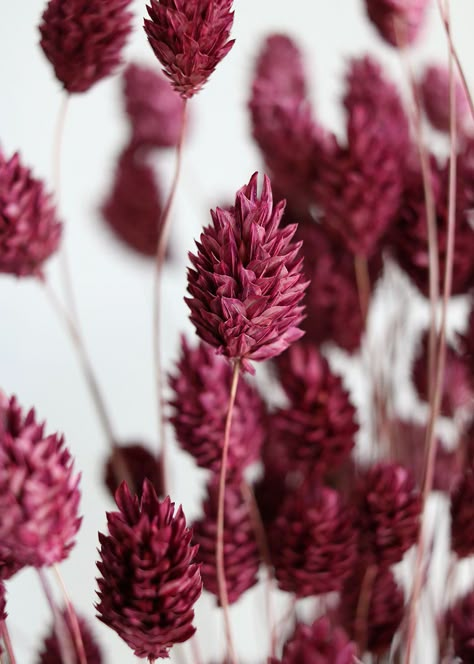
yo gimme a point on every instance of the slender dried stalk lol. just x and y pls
(363, 284)
(65, 643)
(220, 565)
(75, 629)
(164, 226)
(7, 642)
(363, 607)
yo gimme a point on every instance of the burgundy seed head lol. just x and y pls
(320, 643)
(51, 651)
(399, 22)
(138, 462)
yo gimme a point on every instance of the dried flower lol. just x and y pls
(189, 38)
(399, 22)
(460, 622)
(434, 88)
(148, 582)
(312, 542)
(462, 515)
(247, 284)
(200, 400)
(9, 565)
(39, 495)
(389, 508)
(51, 651)
(319, 643)
(241, 558)
(154, 110)
(316, 431)
(133, 207)
(135, 461)
(84, 40)
(384, 611)
(29, 229)
(3, 604)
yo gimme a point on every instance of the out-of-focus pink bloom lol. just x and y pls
(320, 643)
(460, 624)
(462, 514)
(189, 38)
(399, 22)
(29, 229)
(149, 582)
(246, 284)
(201, 388)
(434, 88)
(134, 461)
(51, 651)
(155, 111)
(3, 604)
(84, 39)
(39, 494)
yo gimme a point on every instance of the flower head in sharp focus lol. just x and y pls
(399, 22)
(29, 229)
(39, 495)
(83, 39)
(189, 38)
(51, 651)
(246, 284)
(149, 581)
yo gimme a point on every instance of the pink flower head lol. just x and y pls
(189, 38)
(39, 495)
(389, 507)
(399, 22)
(460, 623)
(149, 582)
(29, 229)
(133, 460)
(313, 542)
(319, 643)
(133, 207)
(200, 400)
(462, 514)
(316, 430)
(247, 283)
(434, 87)
(241, 557)
(51, 651)
(154, 110)
(84, 39)
(3, 604)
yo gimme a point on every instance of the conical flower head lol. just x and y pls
(434, 89)
(389, 507)
(29, 229)
(316, 430)
(39, 495)
(149, 582)
(133, 461)
(246, 283)
(154, 110)
(319, 643)
(189, 38)
(462, 515)
(241, 558)
(51, 651)
(312, 542)
(399, 22)
(201, 388)
(83, 39)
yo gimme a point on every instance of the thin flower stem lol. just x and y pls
(262, 543)
(65, 643)
(363, 608)
(8, 643)
(441, 359)
(363, 284)
(164, 228)
(75, 628)
(220, 565)
(195, 650)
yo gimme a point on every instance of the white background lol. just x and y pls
(114, 287)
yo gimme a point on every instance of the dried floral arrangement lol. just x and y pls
(317, 496)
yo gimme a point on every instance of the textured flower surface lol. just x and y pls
(316, 430)
(201, 388)
(389, 507)
(246, 283)
(29, 229)
(149, 582)
(133, 208)
(83, 39)
(462, 515)
(312, 542)
(134, 460)
(189, 38)
(399, 22)
(9, 565)
(434, 88)
(460, 622)
(319, 643)
(39, 495)
(51, 650)
(154, 109)
(241, 558)
(384, 613)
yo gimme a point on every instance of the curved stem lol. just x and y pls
(164, 228)
(441, 359)
(75, 628)
(7, 642)
(363, 284)
(65, 643)
(220, 565)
